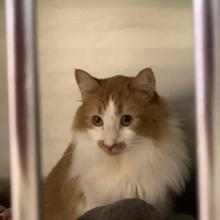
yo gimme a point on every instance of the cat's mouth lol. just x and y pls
(113, 150)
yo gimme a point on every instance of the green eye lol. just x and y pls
(126, 120)
(97, 121)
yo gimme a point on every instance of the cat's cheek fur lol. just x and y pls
(95, 134)
(128, 136)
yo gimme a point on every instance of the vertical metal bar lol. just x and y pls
(216, 111)
(207, 57)
(204, 72)
(23, 109)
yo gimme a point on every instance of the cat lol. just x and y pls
(127, 143)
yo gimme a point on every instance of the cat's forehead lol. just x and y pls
(116, 82)
(113, 91)
(114, 103)
(114, 88)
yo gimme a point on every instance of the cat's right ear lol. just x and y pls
(88, 84)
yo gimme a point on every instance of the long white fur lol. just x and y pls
(145, 170)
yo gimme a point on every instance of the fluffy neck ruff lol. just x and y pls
(149, 171)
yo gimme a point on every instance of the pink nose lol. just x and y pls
(109, 146)
(111, 149)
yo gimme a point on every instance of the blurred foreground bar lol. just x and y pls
(23, 109)
(207, 50)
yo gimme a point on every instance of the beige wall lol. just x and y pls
(4, 151)
(106, 38)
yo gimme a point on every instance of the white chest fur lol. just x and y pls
(145, 171)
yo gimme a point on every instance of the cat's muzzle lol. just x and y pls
(114, 149)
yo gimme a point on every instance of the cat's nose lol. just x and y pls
(112, 149)
(110, 136)
(108, 145)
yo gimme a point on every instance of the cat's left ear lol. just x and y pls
(88, 84)
(145, 83)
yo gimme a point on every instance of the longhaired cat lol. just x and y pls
(127, 143)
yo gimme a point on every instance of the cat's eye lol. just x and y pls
(126, 120)
(97, 120)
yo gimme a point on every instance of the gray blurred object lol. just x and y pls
(127, 209)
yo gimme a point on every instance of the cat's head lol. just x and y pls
(117, 112)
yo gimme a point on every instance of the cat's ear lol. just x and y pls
(87, 83)
(145, 83)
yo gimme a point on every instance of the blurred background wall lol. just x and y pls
(4, 140)
(104, 38)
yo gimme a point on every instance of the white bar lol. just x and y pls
(207, 57)
(23, 109)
